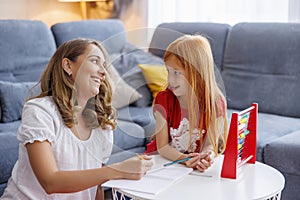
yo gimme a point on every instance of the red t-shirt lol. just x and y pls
(178, 125)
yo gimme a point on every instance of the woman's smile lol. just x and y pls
(97, 80)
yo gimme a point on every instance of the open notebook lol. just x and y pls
(153, 182)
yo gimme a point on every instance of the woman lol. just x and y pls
(66, 131)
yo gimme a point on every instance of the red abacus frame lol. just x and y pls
(241, 141)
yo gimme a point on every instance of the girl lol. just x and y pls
(66, 131)
(190, 114)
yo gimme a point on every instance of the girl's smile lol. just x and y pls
(173, 88)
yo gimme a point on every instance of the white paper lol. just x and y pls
(153, 182)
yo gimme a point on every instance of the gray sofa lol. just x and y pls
(256, 63)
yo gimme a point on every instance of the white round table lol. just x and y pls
(254, 181)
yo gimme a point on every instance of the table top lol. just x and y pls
(254, 181)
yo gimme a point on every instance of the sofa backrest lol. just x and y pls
(25, 49)
(166, 33)
(262, 64)
(110, 32)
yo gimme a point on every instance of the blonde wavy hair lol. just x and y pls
(194, 54)
(55, 82)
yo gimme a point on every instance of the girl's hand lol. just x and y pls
(193, 162)
(134, 168)
(206, 160)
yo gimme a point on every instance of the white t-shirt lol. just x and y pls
(42, 121)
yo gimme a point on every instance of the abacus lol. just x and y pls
(241, 141)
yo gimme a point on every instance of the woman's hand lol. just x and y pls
(134, 168)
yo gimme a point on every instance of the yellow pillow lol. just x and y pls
(156, 77)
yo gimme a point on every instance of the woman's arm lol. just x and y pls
(54, 181)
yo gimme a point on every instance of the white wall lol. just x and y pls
(135, 21)
(49, 11)
(52, 11)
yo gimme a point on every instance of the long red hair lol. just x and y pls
(207, 103)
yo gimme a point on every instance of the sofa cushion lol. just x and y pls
(123, 94)
(127, 61)
(270, 127)
(110, 32)
(26, 48)
(128, 135)
(12, 98)
(291, 187)
(261, 64)
(282, 154)
(135, 78)
(166, 33)
(10, 126)
(142, 116)
(156, 77)
(8, 154)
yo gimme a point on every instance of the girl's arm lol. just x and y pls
(206, 156)
(165, 150)
(54, 181)
(208, 148)
(162, 140)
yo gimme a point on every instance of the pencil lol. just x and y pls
(177, 161)
(139, 156)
